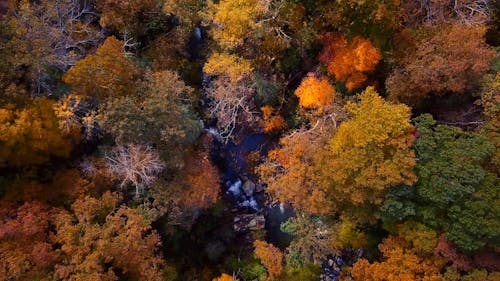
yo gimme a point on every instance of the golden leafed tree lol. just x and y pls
(369, 153)
(270, 256)
(32, 135)
(234, 20)
(227, 64)
(107, 73)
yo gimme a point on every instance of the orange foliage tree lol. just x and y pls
(399, 265)
(99, 238)
(290, 173)
(202, 182)
(32, 134)
(104, 74)
(315, 93)
(350, 61)
(271, 122)
(225, 277)
(270, 256)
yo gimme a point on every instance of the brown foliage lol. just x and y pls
(202, 182)
(193, 189)
(124, 15)
(449, 60)
(470, 12)
(26, 252)
(44, 34)
(448, 250)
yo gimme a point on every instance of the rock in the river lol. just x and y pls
(248, 222)
(249, 188)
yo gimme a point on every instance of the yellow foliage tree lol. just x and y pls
(315, 92)
(32, 134)
(106, 73)
(370, 152)
(227, 64)
(270, 256)
(351, 61)
(234, 20)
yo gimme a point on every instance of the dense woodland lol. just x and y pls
(250, 140)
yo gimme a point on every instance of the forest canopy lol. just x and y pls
(250, 140)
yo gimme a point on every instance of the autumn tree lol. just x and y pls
(398, 264)
(31, 135)
(449, 251)
(421, 239)
(201, 188)
(290, 173)
(193, 189)
(449, 59)
(234, 20)
(350, 60)
(376, 19)
(101, 240)
(312, 240)
(128, 16)
(270, 256)
(107, 73)
(225, 277)
(369, 153)
(232, 104)
(160, 116)
(27, 225)
(227, 64)
(134, 164)
(188, 12)
(490, 101)
(466, 12)
(45, 38)
(271, 121)
(315, 92)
